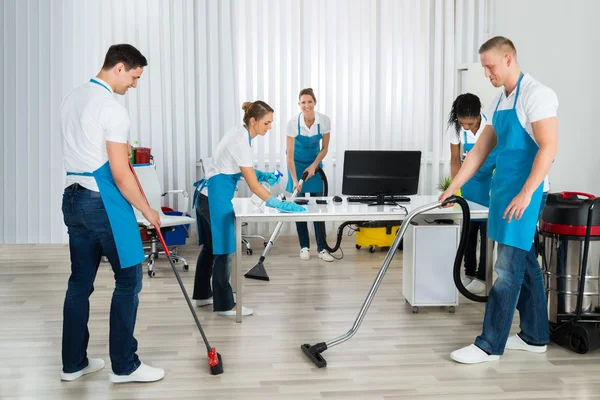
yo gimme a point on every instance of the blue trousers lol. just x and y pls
(90, 237)
(520, 285)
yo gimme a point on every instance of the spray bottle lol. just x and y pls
(257, 201)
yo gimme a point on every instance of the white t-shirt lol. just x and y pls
(322, 119)
(90, 116)
(233, 151)
(471, 138)
(536, 102)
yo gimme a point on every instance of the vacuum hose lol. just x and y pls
(460, 253)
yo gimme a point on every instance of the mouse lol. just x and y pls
(337, 199)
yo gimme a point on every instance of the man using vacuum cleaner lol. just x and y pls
(100, 190)
(523, 129)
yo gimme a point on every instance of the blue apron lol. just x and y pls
(477, 189)
(120, 213)
(221, 189)
(516, 153)
(122, 219)
(306, 150)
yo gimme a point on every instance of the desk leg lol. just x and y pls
(489, 265)
(237, 273)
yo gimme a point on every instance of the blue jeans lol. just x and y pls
(302, 228)
(90, 237)
(208, 265)
(520, 285)
(471, 269)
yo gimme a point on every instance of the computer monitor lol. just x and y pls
(381, 173)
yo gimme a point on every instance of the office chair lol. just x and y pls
(149, 181)
(206, 162)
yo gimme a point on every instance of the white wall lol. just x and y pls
(558, 43)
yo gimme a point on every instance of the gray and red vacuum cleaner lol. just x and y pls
(570, 233)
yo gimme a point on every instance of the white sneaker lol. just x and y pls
(305, 253)
(205, 302)
(516, 343)
(325, 256)
(144, 373)
(94, 364)
(245, 312)
(466, 280)
(472, 355)
(476, 287)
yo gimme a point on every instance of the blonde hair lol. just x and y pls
(256, 110)
(309, 92)
(499, 43)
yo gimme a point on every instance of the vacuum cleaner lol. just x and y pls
(570, 233)
(258, 271)
(314, 352)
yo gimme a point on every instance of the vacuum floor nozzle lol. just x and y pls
(316, 357)
(258, 272)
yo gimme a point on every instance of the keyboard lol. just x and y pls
(361, 199)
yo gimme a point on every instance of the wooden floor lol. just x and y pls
(395, 354)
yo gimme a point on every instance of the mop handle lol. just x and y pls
(168, 254)
(157, 229)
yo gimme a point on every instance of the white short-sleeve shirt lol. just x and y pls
(233, 151)
(459, 138)
(90, 116)
(322, 119)
(536, 102)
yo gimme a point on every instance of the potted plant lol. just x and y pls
(444, 184)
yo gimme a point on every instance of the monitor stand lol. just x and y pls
(381, 201)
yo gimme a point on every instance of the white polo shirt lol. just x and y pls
(322, 119)
(90, 116)
(233, 151)
(459, 138)
(535, 103)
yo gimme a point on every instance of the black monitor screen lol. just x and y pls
(381, 172)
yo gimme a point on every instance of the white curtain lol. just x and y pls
(383, 70)
(184, 101)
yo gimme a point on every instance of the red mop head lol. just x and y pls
(215, 362)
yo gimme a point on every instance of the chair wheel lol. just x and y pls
(249, 252)
(371, 249)
(151, 274)
(358, 246)
(186, 267)
(451, 309)
(415, 309)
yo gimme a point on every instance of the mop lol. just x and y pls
(258, 271)
(214, 359)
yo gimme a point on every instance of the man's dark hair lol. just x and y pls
(125, 53)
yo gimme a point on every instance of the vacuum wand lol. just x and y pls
(314, 352)
(214, 359)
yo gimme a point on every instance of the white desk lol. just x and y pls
(245, 211)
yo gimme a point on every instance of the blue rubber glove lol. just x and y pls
(270, 177)
(284, 206)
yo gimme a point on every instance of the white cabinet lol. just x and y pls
(428, 260)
